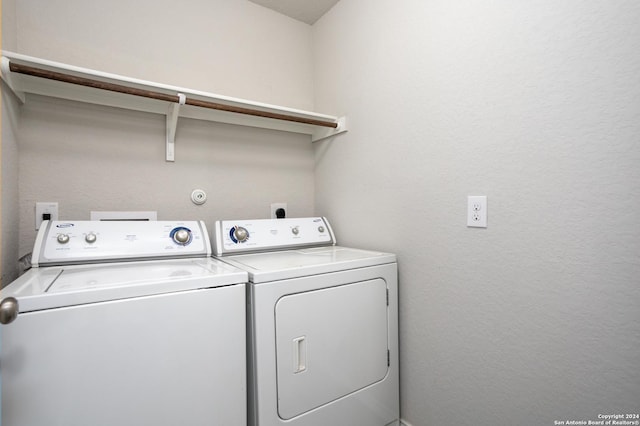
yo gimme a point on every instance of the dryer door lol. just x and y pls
(330, 343)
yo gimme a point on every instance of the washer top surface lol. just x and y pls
(58, 286)
(286, 264)
(79, 262)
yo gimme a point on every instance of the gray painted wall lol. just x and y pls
(9, 239)
(9, 201)
(536, 105)
(89, 157)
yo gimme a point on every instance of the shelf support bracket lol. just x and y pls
(172, 123)
(8, 78)
(324, 133)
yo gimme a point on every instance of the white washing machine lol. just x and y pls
(322, 322)
(124, 323)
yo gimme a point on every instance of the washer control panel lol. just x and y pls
(69, 242)
(244, 236)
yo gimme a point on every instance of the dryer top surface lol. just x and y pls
(287, 264)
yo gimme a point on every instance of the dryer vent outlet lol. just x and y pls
(278, 210)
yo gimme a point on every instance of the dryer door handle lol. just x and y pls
(299, 354)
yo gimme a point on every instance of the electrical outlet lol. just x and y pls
(275, 209)
(49, 209)
(477, 211)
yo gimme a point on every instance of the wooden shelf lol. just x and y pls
(25, 74)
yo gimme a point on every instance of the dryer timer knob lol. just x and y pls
(241, 234)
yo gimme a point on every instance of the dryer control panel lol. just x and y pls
(73, 242)
(245, 236)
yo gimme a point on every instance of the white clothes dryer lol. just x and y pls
(124, 323)
(322, 324)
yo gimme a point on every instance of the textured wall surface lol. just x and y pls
(9, 180)
(536, 105)
(88, 157)
(228, 47)
(9, 237)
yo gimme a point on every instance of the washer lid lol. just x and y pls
(53, 287)
(281, 265)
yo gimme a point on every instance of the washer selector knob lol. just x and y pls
(295, 230)
(63, 238)
(240, 234)
(90, 238)
(181, 236)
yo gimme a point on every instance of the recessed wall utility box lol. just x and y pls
(124, 215)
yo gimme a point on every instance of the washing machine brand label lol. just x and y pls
(65, 225)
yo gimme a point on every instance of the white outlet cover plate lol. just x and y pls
(477, 211)
(45, 207)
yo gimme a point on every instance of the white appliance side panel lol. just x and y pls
(163, 360)
(330, 343)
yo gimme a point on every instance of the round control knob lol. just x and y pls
(295, 230)
(241, 234)
(90, 238)
(182, 236)
(320, 229)
(63, 238)
(8, 310)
